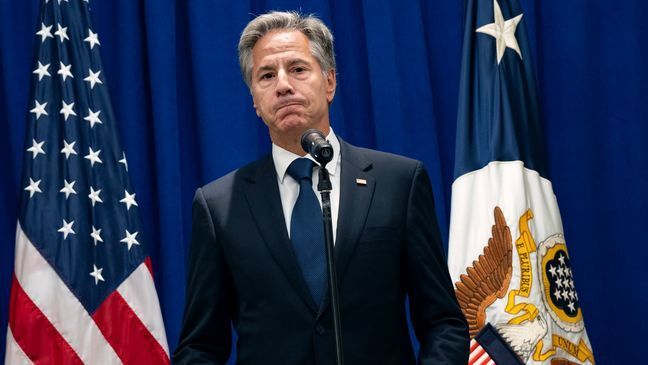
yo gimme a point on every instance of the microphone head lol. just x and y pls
(314, 143)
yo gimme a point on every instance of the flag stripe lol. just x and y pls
(14, 354)
(43, 346)
(127, 334)
(149, 265)
(473, 345)
(55, 300)
(475, 356)
(139, 293)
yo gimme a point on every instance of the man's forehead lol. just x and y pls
(282, 36)
(285, 59)
(281, 41)
(285, 46)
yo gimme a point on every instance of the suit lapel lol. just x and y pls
(262, 193)
(357, 188)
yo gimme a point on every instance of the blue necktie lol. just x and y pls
(306, 229)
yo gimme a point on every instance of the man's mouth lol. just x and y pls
(285, 105)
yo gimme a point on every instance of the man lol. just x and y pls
(252, 263)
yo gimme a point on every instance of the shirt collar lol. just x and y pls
(283, 158)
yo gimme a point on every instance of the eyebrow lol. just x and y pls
(265, 68)
(272, 67)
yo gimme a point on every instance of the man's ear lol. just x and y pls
(254, 105)
(331, 84)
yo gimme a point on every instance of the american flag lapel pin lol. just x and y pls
(361, 182)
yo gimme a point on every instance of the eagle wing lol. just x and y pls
(489, 276)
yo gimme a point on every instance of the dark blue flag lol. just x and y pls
(507, 253)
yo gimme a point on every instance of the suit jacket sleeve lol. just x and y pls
(205, 337)
(437, 319)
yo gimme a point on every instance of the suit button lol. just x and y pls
(320, 329)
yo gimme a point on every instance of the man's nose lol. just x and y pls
(283, 84)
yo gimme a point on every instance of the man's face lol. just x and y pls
(290, 92)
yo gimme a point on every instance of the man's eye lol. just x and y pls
(299, 69)
(266, 76)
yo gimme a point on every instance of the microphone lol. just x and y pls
(314, 143)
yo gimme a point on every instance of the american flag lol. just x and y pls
(83, 288)
(479, 356)
(489, 348)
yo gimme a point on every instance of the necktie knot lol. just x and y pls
(301, 168)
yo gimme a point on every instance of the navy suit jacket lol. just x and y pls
(242, 270)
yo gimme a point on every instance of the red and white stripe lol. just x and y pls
(48, 324)
(479, 356)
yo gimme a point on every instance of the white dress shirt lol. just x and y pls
(289, 187)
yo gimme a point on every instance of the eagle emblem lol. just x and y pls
(527, 331)
(489, 276)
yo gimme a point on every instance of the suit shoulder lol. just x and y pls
(388, 156)
(228, 183)
(386, 160)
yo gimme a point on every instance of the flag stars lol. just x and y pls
(96, 235)
(61, 32)
(65, 71)
(94, 196)
(45, 32)
(503, 31)
(39, 109)
(93, 39)
(33, 187)
(68, 149)
(68, 188)
(67, 109)
(93, 156)
(93, 117)
(42, 71)
(96, 274)
(93, 78)
(561, 258)
(66, 229)
(571, 306)
(129, 199)
(36, 148)
(130, 239)
(123, 161)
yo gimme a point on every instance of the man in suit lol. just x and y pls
(255, 263)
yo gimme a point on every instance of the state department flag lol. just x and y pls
(82, 290)
(507, 253)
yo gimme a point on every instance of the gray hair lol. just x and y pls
(320, 37)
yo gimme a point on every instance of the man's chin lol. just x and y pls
(293, 125)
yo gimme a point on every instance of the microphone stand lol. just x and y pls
(324, 187)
